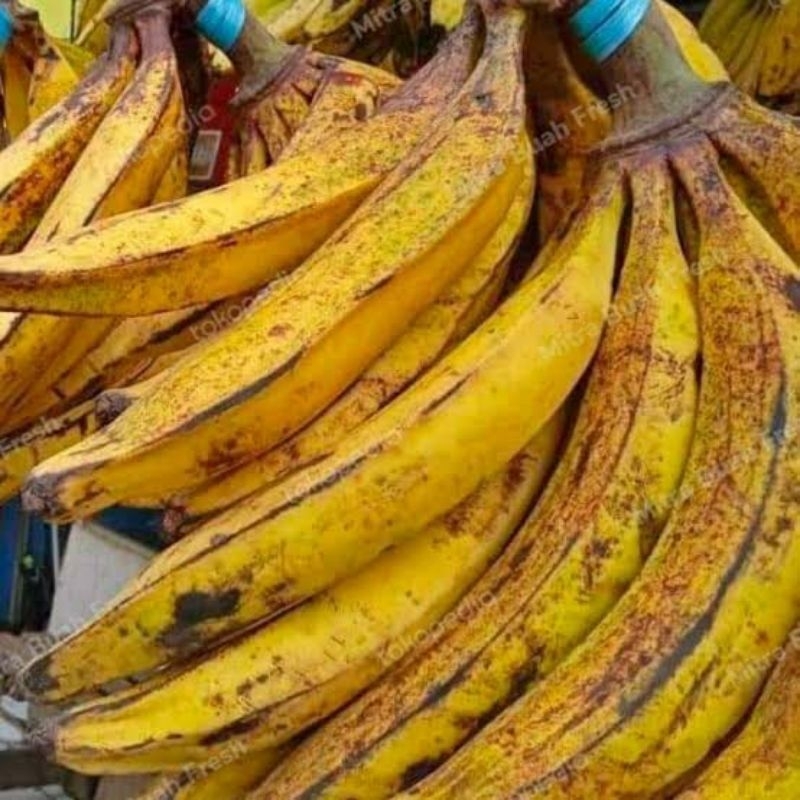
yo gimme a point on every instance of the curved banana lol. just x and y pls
(22, 450)
(180, 254)
(56, 74)
(460, 309)
(399, 471)
(231, 781)
(681, 658)
(763, 761)
(35, 166)
(314, 335)
(120, 169)
(270, 686)
(760, 154)
(580, 549)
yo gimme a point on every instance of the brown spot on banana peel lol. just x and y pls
(194, 609)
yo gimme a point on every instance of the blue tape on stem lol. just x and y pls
(6, 28)
(222, 22)
(616, 30)
(590, 16)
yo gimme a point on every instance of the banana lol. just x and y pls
(317, 333)
(34, 167)
(759, 42)
(109, 404)
(229, 781)
(22, 450)
(396, 473)
(268, 687)
(573, 558)
(121, 168)
(454, 315)
(179, 254)
(759, 149)
(780, 69)
(15, 81)
(763, 762)
(269, 123)
(677, 663)
(56, 74)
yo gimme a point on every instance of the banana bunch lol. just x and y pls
(281, 84)
(625, 702)
(389, 577)
(137, 157)
(759, 41)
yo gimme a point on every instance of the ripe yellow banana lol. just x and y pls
(220, 779)
(759, 42)
(313, 336)
(573, 558)
(120, 169)
(760, 154)
(398, 472)
(34, 167)
(460, 309)
(15, 83)
(763, 762)
(180, 254)
(265, 689)
(680, 659)
(22, 450)
(56, 74)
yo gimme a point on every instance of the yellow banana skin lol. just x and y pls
(15, 81)
(679, 661)
(232, 781)
(760, 44)
(579, 550)
(760, 149)
(460, 309)
(22, 450)
(33, 168)
(120, 169)
(415, 460)
(273, 684)
(56, 74)
(313, 336)
(763, 761)
(182, 253)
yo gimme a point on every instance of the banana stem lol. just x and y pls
(656, 79)
(258, 57)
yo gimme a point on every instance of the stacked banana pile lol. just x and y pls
(759, 41)
(471, 404)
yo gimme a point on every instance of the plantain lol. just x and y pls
(573, 558)
(121, 168)
(677, 663)
(35, 166)
(329, 321)
(179, 254)
(460, 309)
(763, 761)
(265, 689)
